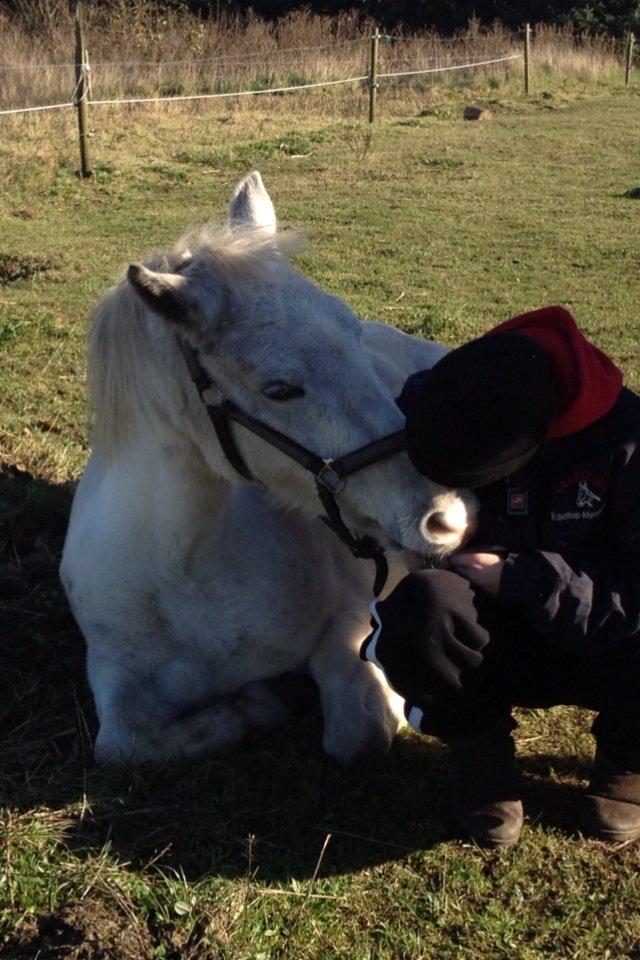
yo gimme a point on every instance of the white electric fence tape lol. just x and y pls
(256, 93)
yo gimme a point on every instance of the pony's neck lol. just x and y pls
(183, 498)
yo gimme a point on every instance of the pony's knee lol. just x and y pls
(367, 738)
(361, 723)
(262, 706)
(207, 732)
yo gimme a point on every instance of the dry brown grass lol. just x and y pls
(558, 51)
(136, 51)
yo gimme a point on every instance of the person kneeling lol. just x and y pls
(542, 606)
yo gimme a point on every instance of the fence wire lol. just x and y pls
(225, 58)
(235, 93)
(48, 106)
(253, 93)
(455, 66)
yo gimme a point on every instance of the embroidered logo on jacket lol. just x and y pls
(586, 497)
(582, 489)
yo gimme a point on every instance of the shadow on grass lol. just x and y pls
(275, 799)
(279, 788)
(550, 791)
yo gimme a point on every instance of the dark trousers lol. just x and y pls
(466, 661)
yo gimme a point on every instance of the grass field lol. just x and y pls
(442, 228)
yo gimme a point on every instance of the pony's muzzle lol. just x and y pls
(447, 524)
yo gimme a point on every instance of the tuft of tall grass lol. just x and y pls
(585, 57)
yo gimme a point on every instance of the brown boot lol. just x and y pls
(485, 798)
(610, 809)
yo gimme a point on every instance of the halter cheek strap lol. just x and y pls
(330, 475)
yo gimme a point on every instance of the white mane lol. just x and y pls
(124, 379)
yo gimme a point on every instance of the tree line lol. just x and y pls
(614, 17)
(597, 16)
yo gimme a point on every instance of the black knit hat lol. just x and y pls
(481, 412)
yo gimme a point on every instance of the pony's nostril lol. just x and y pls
(440, 525)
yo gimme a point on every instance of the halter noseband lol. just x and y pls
(330, 475)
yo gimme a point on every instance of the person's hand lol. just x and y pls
(483, 570)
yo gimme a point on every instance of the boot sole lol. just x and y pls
(610, 836)
(488, 844)
(485, 842)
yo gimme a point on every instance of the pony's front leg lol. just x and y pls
(150, 737)
(136, 724)
(212, 728)
(361, 713)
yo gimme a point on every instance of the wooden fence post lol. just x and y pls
(629, 58)
(373, 75)
(81, 97)
(527, 57)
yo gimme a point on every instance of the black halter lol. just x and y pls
(330, 475)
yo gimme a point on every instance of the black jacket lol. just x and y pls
(568, 523)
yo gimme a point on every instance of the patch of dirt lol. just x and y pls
(21, 268)
(89, 930)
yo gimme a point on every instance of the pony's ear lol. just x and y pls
(251, 205)
(165, 293)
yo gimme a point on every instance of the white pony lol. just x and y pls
(193, 586)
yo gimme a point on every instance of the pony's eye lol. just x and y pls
(282, 390)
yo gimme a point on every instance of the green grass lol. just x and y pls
(244, 156)
(443, 228)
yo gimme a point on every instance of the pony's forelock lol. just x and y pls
(239, 251)
(124, 380)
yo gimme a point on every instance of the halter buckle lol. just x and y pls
(329, 478)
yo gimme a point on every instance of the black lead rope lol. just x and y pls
(330, 475)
